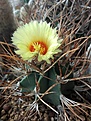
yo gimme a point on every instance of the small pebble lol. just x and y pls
(3, 112)
(45, 114)
(16, 117)
(4, 117)
(45, 117)
(52, 119)
(6, 107)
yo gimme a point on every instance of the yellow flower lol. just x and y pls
(36, 40)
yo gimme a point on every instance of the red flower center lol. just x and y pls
(38, 46)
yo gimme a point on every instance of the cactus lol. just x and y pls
(62, 83)
(7, 24)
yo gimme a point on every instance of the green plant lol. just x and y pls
(57, 79)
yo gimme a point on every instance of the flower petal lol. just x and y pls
(38, 36)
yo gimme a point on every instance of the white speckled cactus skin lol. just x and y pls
(7, 24)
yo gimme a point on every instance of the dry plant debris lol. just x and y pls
(73, 21)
